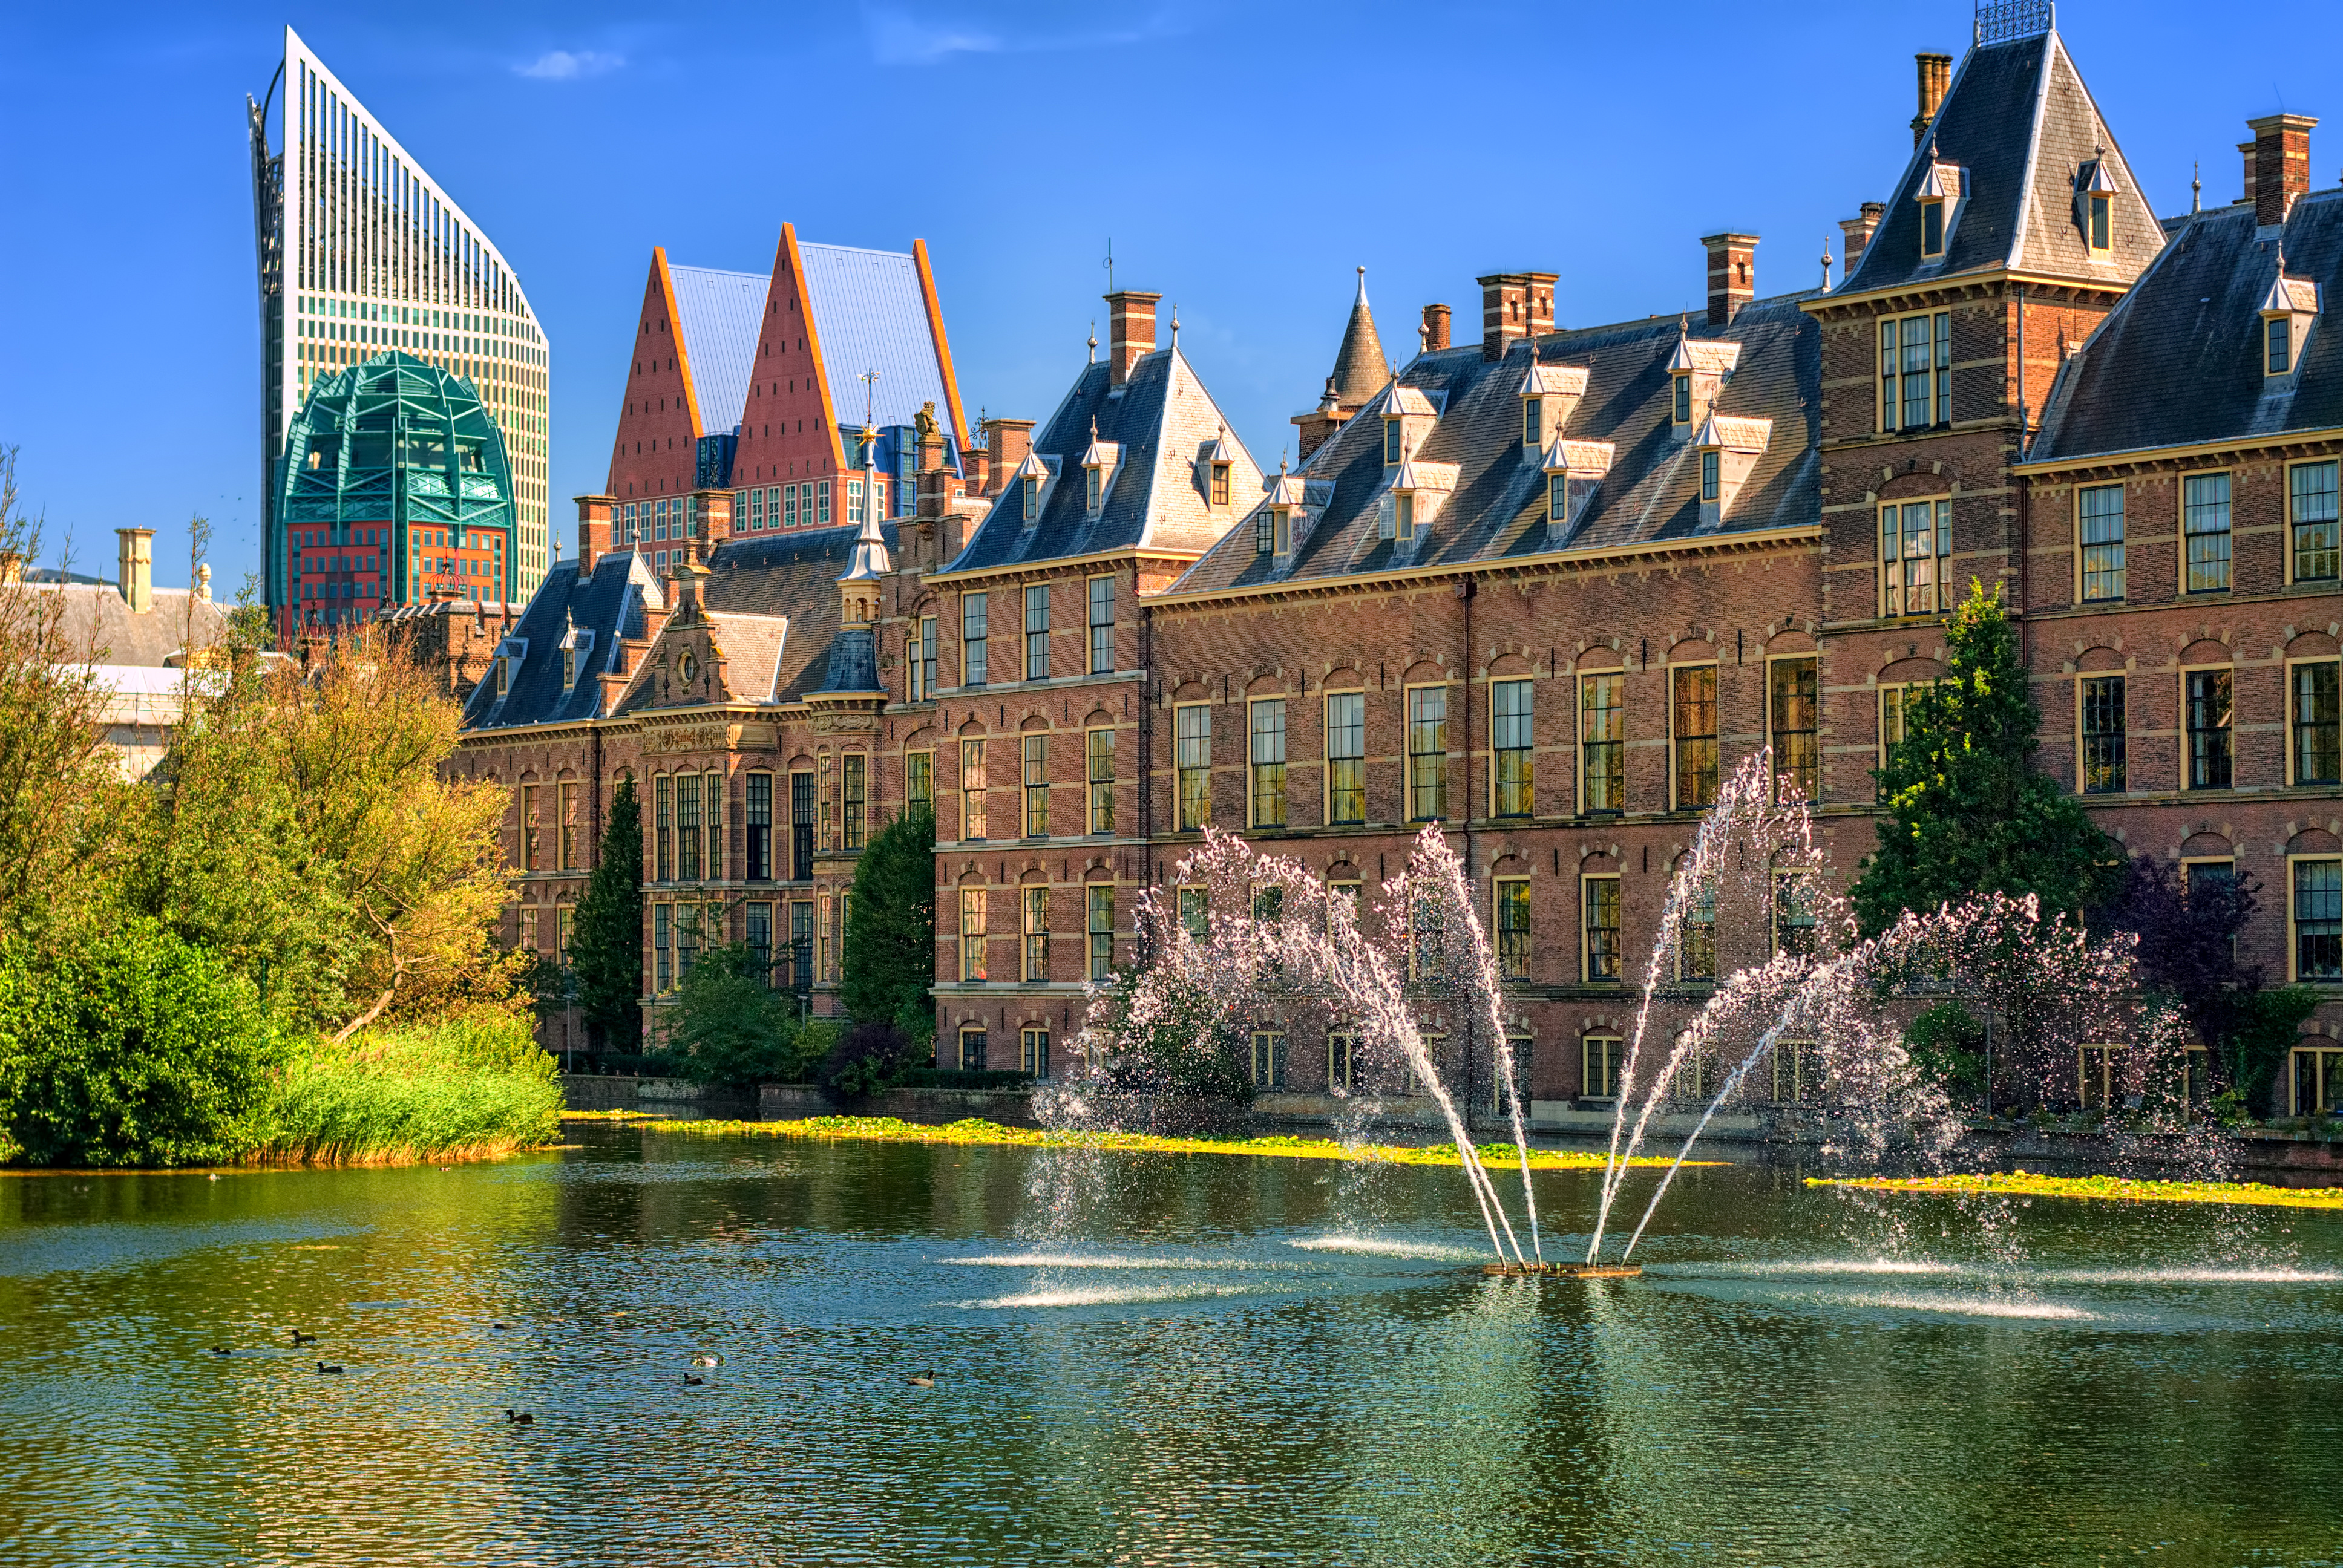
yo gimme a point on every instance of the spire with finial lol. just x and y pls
(1360, 367)
(1094, 342)
(2196, 187)
(1826, 264)
(1175, 323)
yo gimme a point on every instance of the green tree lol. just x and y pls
(606, 934)
(135, 1049)
(891, 933)
(1964, 810)
(729, 1026)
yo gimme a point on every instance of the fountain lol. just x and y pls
(1756, 964)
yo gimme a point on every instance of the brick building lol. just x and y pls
(1546, 588)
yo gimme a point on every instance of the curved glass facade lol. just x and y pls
(360, 254)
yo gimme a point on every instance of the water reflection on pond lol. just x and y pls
(1141, 1358)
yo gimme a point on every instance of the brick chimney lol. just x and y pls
(1859, 232)
(1009, 440)
(1131, 331)
(2279, 168)
(1513, 305)
(594, 514)
(1936, 76)
(134, 551)
(1436, 326)
(1731, 277)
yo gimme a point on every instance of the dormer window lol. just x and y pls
(1033, 495)
(1682, 415)
(1932, 229)
(1394, 440)
(1221, 484)
(2100, 222)
(1940, 188)
(1272, 531)
(568, 668)
(2288, 311)
(1403, 517)
(2095, 194)
(1708, 475)
(1533, 422)
(2278, 350)
(1091, 486)
(1557, 497)
(504, 675)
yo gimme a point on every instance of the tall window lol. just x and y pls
(1696, 943)
(1532, 421)
(1605, 947)
(1711, 482)
(718, 865)
(529, 852)
(971, 638)
(2277, 345)
(920, 779)
(2208, 729)
(1037, 633)
(801, 823)
(2205, 514)
(1036, 784)
(1795, 917)
(1792, 711)
(1343, 1062)
(971, 933)
(2101, 509)
(1091, 487)
(759, 928)
(1427, 940)
(1221, 484)
(1513, 927)
(1557, 498)
(758, 838)
(2317, 758)
(800, 944)
(2311, 505)
(1033, 1052)
(1915, 371)
(1098, 912)
(972, 1042)
(2102, 697)
(663, 946)
(1191, 729)
(687, 826)
(1268, 1058)
(1403, 514)
(1102, 625)
(855, 770)
(2318, 919)
(1693, 717)
(1427, 752)
(565, 799)
(1393, 439)
(2101, 214)
(1032, 497)
(1266, 752)
(687, 940)
(1916, 545)
(1510, 714)
(1602, 742)
(1932, 229)
(971, 790)
(1599, 1074)
(1098, 768)
(1680, 406)
(925, 666)
(1035, 917)
(1196, 914)
(1346, 757)
(663, 820)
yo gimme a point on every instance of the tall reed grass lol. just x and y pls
(469, 1088)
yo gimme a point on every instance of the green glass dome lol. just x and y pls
(394, 440)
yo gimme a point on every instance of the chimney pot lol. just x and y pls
(1936, 73)
(1436, 326)
(1009, 440)
(1513, 305)
(1131, 331)
(2278, 164)
(1732, 275)
(1859, 232)
(136, 554)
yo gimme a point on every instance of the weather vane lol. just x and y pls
(1109, 264)
(870, 379)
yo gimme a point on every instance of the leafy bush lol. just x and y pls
(473, 1084)
(133, 1048)
(865, 1059)
(1948, 1046)
(729, 1027)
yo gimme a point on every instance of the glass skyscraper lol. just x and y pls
(361, 254)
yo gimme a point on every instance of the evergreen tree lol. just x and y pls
(605, 935)
(1964, 811)
(891, 933)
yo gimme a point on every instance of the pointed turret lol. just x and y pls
(1360, 370)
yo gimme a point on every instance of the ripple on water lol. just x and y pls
(1100, 1260)
(1975, 1307)
(1389, 1247)
(1104, 1296)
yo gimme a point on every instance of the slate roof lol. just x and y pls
(1360, 370)
(605, 606)
(2179, 359)
(1497, 509)
(2022, 126)
(790, 579)
(871, 315)
(718, 314)
(1162, 419)
(96, 621)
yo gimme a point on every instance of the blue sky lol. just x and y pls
(1242, 157)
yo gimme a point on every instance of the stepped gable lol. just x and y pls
(2022, 128)
(606, 607)
(1163, 421)
(2179, 360)
(1497, 509)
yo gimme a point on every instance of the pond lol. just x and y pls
(1143, 1358)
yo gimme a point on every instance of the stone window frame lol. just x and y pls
(1255, 764)
(1528, 753)
(2293, 550)
(2120, 735)
(2294, 722)
(1587, 928)
(2188, 760)
(1773, 736)
(1893, 372)
(1326, 736)
(1585, 748)
(1940, 537)
(2228, 534)
(1676, 740)
(2121, 544)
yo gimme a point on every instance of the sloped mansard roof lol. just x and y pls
(596, 611)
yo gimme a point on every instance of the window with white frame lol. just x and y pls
(2099, 523)
(2311, 515)
(1598, 1077)
(1915, 547)
(2205, 521)
(1915, 371)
